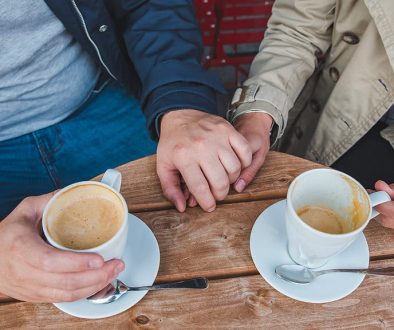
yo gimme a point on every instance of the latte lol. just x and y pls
(85, 217)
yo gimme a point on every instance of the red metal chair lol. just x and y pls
(233, 32)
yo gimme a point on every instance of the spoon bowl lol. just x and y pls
(295, 273)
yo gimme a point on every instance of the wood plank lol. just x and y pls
(196, 243)
(216, 244)
(142, 191)
(205, 244)
(243, 302)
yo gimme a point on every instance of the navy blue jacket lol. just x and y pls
(152, 47)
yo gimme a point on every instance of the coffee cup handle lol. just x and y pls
(112, 178)
(377, 198)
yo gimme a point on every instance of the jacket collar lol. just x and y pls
(382, 12)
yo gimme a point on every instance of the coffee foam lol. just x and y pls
(85, 216)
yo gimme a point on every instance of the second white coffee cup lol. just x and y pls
(334, 190)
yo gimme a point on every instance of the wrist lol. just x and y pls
(260, 120)
(168, 118)
(179, 116)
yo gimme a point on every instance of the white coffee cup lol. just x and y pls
(114, 247)
(337, 191)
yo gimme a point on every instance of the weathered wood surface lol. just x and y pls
(142, 191)
(246, 302)
(216, 245)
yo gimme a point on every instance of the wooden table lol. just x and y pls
(216, 245)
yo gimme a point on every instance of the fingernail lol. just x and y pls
(119, 268)
(180, 206)
(240, 185)
(95, 263)
(212, 209)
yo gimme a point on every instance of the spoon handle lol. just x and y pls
(194, 283)
(388, 271)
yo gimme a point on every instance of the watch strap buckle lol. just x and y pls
(245, 94)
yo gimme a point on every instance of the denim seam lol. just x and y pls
(45, 160)
(60, 144)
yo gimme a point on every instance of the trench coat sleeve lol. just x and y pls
(299, 33)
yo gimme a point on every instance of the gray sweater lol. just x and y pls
(44, 73)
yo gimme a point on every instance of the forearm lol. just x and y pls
(296, 36)
(163, 41)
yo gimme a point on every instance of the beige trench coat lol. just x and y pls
(334, 101)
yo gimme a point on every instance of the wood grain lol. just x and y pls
(243, 302)
(216, 245)
(142, 191)
(196, 243)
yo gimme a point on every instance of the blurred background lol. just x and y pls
(232, 31)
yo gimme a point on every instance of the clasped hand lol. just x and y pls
(209, 154)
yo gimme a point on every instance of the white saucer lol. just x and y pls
(142, 259)
(268, 246)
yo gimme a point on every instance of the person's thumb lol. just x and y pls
(248, 173)
(383, 186)
(172, 190)
(33, 207)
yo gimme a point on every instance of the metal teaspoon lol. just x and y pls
(302, 275)
(113, 291)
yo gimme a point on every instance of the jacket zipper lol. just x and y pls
(90, 39)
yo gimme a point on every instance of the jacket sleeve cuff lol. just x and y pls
(177, 96)
(177, 71)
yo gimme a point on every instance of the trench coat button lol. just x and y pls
(334, 74)
(319, 55)
(350, 38)
(315, 106)
(103, 28)
(298, 132)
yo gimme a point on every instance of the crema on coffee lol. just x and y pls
(85, 217)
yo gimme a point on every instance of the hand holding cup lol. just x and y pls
(31, 270)
(386, 210)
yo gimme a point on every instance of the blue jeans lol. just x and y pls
(107, 131)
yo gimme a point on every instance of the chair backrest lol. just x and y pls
(241, 23)
(232, 31)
